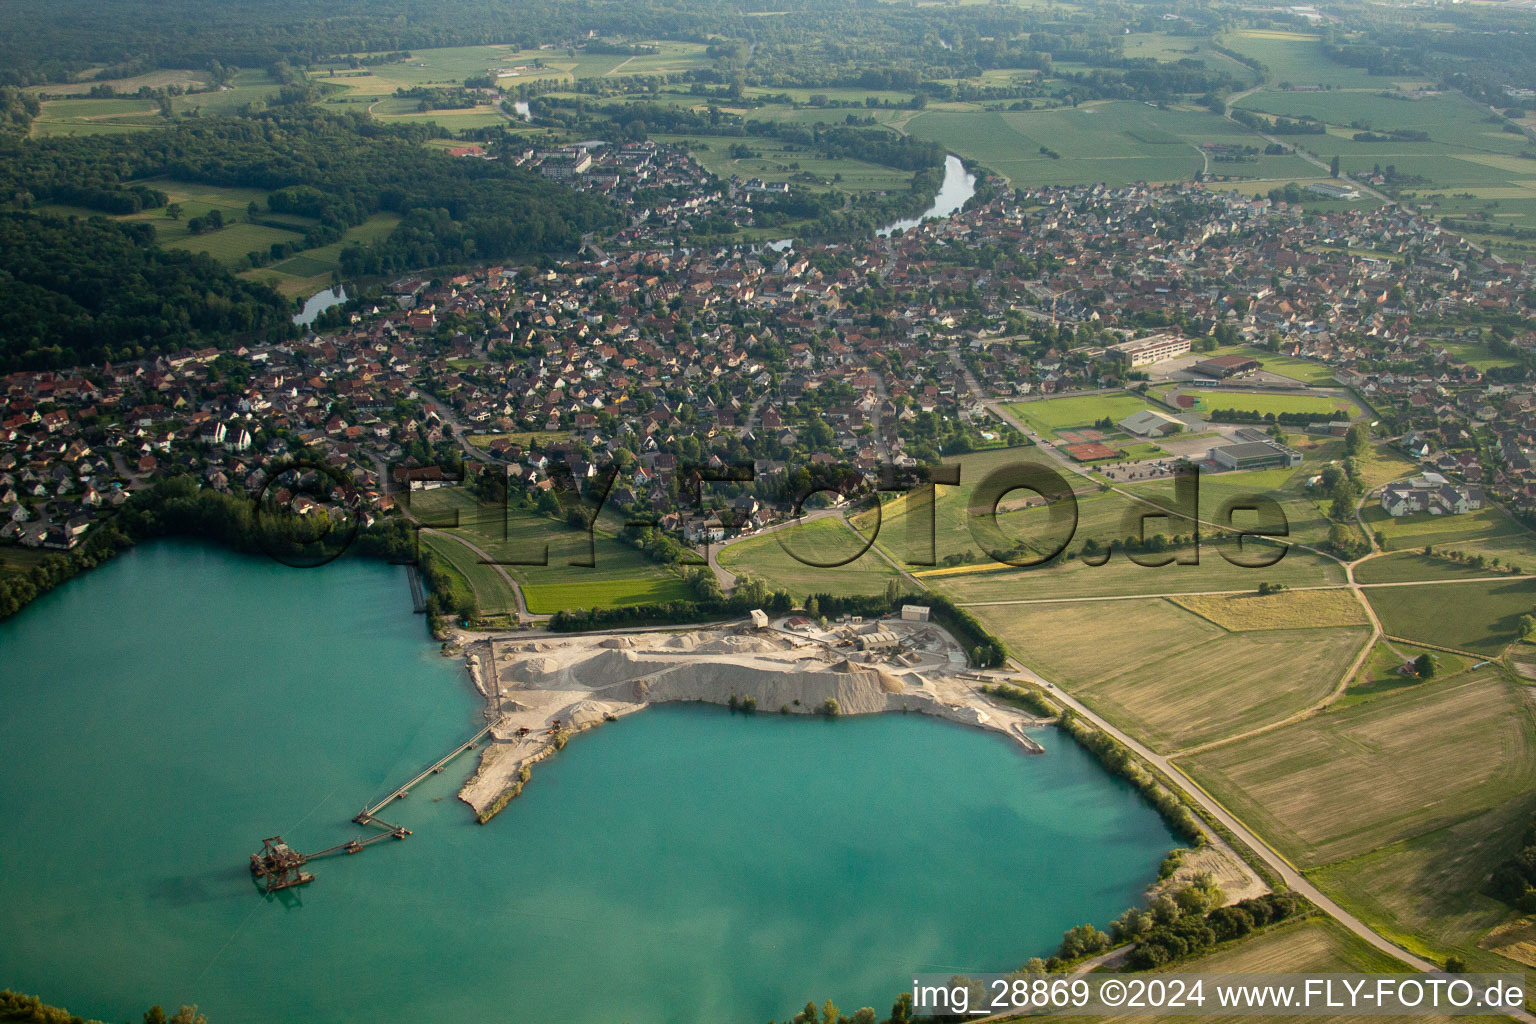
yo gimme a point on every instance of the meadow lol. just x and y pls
(1290, 609)
(780, 161)
(777, 559)
(1482, 618)
(491, 592)
(620, 575)
(1425, 892)
(1305, 370)
(1114, 142)
(1487, 531)
(1338, 785)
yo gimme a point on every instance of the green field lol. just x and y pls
(1342, 784)
(1314, 944)
(1265, 404)
(96, 117)
(1114, 142)
(1119, 576)
(491, 591)
(1382, 672)
(620, 576)
(1051, 415)
(1296, 58)
(776, 558)
(450, 66)
(1487, 531)
(782, 161)
(1425, 892)
(1303, 519)
(1468, 152)
(1483, 618)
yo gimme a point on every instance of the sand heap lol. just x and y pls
(546, 688)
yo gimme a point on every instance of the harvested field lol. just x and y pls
(1225, 686)
(1294, 609)
(1342, 784)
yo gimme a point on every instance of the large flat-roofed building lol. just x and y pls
(1226, 366)
(1255, 455)
(1154, 348)
(1150, 423)
(1333, 191)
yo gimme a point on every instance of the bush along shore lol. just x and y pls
(177, 507)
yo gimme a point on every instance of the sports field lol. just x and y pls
(1051, 415)
(1265, 404)
(1342, 784)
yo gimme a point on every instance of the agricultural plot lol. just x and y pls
(160, 79)
(1292, 609)
(1120, 577)
(1468, 152)
(1413, 565)
(230, 244)
(776, 161)
(1314, 944)
(1482, 618)
(1383, 671)
(1169, 676)
(1428, 889)
(622, 575)
(1487, 529)
(1225, 686)
(1296, 58)
(1218, 491)
(1077, 644)
(491, 591)
(254, 87)
(96, 117)
(510, 66)
(1172, 49)
(1339, 785)
(1113, 142)
(776, 558)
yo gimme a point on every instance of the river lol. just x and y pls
(958, 187)
(166, 712)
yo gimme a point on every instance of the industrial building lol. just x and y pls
(1255, 455)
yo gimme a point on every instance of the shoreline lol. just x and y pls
(544, 688)
(541, 689)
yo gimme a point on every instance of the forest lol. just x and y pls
(87, 289)
(90, 289)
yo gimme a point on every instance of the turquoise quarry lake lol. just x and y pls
(163, 714)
